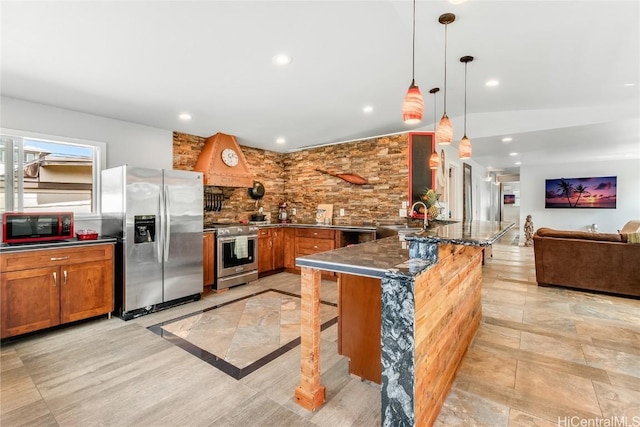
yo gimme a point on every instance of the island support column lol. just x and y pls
(310, 394)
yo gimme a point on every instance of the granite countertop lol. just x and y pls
(372, 259)
(475, 233)
(392, 255)
(18, 247)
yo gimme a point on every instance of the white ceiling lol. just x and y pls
(562, 67)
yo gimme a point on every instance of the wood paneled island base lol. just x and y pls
(448, 312)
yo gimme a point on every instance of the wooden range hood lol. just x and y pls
(216, 171)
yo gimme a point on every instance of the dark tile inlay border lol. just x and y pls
(218, 362)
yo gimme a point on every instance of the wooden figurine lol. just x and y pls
(528, 231)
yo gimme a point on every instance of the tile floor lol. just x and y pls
(241, 336)
(542, 357)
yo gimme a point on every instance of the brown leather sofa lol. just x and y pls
(602, 262)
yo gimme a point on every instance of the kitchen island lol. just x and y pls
(430, 292)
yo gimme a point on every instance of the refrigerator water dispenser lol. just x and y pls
(145, 228)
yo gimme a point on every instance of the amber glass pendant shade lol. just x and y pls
(464, 148)
(413, 105)
(434, 160)
(444, 133)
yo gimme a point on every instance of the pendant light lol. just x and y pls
(444, 134)
(413, 105)
(464, 148)
(434, 159)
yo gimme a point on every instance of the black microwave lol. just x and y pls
(25, 227)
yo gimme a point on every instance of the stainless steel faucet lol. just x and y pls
(426, 221)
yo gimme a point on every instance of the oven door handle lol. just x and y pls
(233, 238)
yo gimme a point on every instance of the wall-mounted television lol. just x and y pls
(509, 199)
(592, 192)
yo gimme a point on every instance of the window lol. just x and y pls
(41, 173)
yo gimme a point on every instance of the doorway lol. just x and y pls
(511, 202)
(467, 193)
(453, 184)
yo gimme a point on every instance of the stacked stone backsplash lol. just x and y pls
(381, 161)
(292, 177)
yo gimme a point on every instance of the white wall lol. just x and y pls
(532, 192)
(481, 188)
(127, 143)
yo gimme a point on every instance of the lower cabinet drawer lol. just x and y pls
(53, 257)
(315, 233)
(306, 245)
(264, 232)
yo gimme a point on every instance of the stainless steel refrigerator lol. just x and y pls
(158, 219)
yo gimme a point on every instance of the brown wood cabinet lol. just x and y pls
(289, 238)
(208, 259)
(265, 250)
(270, 249)
(308, 241)
(359, 324)
(301, 241)
(278, 248)
(44, 288)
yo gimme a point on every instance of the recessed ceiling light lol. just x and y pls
(367, 109)
(492, 83)
(280, 140)
(185, 116)
(507, 139)
(513, 154)
(518, 163)
(457, 1)
(629, 84)
(282, 59)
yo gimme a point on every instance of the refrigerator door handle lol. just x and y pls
(160, 243)
(167, 212)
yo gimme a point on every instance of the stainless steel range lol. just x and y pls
(236, 254)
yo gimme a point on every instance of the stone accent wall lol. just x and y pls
(383, 162)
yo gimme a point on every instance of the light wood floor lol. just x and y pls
(542, 357)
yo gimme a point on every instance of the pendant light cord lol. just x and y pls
(413, 53)
(435, 101)
(445, 69)
(465, 99)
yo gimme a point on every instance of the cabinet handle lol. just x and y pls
(315, 234)
(315, 247)
(59, 258)
(55, 279)
(64, 273)
(270, 244)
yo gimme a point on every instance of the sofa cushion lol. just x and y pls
(633, 238)
(573, 234)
